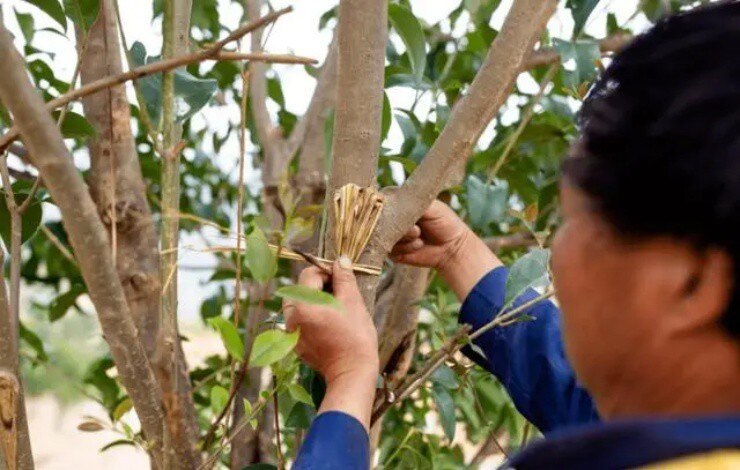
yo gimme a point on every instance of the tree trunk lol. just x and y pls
(87, 236)
(119, 191)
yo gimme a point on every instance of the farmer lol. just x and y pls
(643, 364)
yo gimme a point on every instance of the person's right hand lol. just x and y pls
(441, 240)
(435, 239)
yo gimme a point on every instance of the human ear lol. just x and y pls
(706, 291)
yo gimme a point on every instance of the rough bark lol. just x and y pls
(119, 191)
(362, 37)
(87, 236)
(9, 363)
(470, 115)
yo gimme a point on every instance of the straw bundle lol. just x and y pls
(356, 213)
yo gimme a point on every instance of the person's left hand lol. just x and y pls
(338, 344)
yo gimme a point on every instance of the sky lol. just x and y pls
(295, 33)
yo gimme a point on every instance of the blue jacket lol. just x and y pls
(529, 360)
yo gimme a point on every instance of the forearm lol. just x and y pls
(467, 265)
(352, 393)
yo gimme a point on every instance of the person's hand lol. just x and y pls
(335, 343)
(441, 240)
(341, 345)
(435, 239)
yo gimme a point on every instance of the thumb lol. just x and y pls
(344, 282)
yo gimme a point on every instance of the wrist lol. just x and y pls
(469, 260)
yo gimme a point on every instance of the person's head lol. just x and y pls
(647, 262)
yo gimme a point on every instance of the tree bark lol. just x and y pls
(87, 236)
(9, 363)
(362, 38)
(470, 115)
(119, 191)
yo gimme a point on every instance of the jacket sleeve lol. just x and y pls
(527, 357)
(335, 440)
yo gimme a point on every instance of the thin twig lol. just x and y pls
(149, 69)
(278, 446)
(524, 122)
(454, 344)
(58, 244)
(15, 240)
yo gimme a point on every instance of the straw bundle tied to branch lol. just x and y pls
(356, 213)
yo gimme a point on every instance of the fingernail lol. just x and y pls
(345, 262)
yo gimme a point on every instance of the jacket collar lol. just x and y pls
(628, 444)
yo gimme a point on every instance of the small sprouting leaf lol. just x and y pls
(219, 397)
(387, 118)
(121, 409)
(82, 12)
(90, 425)
(446, 409)
(247, 408)
(119, 442)
(229, 336)
(408, 27)
(528, 271)
(271, 346)
(307, 295)
(52, 8)
(59, 306)
(300, 394)
(486, 202)
(260, 258)
(581, 10)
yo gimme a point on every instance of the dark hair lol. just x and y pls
(660, 146)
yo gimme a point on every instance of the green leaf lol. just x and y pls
(579, 60)
(412, 35)
(259, 257)
(82, 12)
(581, 10)
(528, 271)
(25, 21)
(192, 93)
(300, 394)
(64, 302)
(31, 219)
(308, 295)
(387, 117)
(446, 410)
(247, 408)
(229, 336)
(119, 442)
(271, 346)
(445, 377)
(300, 416)
(52, 8)
(219, 397)
(486, 203)
(33, 340)
(260, 466)
(75, 126)
(121, 409)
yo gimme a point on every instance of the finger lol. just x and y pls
(413, 232)
(344, 281)
(410, 247)
(436, 210)
(313, 277)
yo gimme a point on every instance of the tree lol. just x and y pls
(152, 175)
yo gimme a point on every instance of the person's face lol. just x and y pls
(606, 308)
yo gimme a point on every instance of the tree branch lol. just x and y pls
(150, 69)
(451, 346)
(87, 235)
(470, 115)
